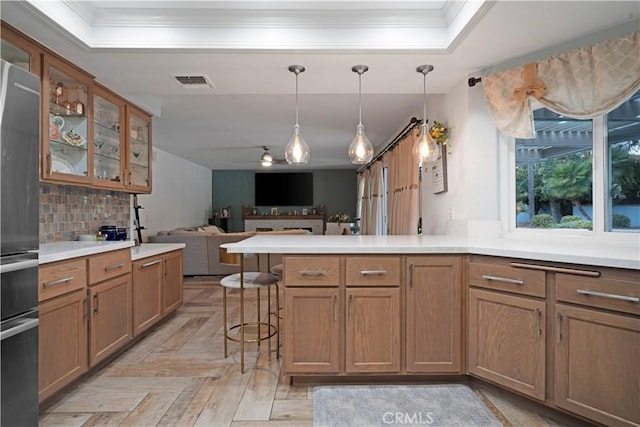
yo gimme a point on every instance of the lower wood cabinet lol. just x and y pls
(597, 365)
(147, 293)
(157, 289)
(433, 312)
(172, 282)
(62, 341)
(507, 340)
(312, 333)
(110, 320)
(372, 327)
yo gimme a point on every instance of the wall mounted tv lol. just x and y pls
(284, 189)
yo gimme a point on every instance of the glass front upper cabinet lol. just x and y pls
(17, 50)
(65, 102)
(139, 158)
(108, 141)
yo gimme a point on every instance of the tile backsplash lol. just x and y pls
(67, 212)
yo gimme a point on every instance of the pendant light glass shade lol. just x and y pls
(297, 150)
(266, 159)
(360, 149)
(426, 149)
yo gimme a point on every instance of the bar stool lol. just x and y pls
(247, 280)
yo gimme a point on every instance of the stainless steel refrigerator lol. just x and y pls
(19, 212)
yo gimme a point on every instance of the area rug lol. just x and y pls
(404, 405)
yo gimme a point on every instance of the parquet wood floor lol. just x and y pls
(177, 376)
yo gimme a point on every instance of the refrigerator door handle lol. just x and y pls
(28, 89)
(17, 266)
(20, 328)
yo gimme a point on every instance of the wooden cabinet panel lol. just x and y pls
(108, 265)
(372, 271)
(147, 293)
(607, 293)
(312, 331)
(108, 117)
(138, 136)
(172, 282)
(497, 273)
(62, 352)
(372, 330)
(433, 313)
(311, 270)
(59, 278)
(597, 371)
(507, 341)
(19, 50)
(110, 320)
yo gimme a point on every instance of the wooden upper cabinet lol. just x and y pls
(138, 135)
(108, 139)
(67, 143)
(19, 50)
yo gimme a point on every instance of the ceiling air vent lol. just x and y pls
(194, 81)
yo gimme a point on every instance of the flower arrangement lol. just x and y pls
(440, 133)
(339, 218)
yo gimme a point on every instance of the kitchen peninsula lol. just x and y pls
(417, 306)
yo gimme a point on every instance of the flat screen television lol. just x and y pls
(284, 189)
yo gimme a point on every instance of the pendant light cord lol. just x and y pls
(297, 98)
(424, 98)
(360, 98)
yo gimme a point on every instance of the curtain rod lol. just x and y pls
(395, 141)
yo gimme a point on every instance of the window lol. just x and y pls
(556, 183)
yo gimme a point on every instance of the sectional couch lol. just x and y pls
(201, 252)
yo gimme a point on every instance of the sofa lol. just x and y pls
(201, 255)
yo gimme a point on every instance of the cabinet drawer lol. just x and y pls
(611, 294)
(62, 277)
(108, 265)
(506, 278)
(373, 271)
(312, 271)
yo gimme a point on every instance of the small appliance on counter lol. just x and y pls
(110, 231)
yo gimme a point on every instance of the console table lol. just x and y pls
(313, 223)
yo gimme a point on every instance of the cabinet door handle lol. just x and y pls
(539, 321)
(503, 279)
(114, 266)
(335, 308)
(95, 303)
(559, 317)
(149, 264)
(350, 306)
(312, 273)
(165, 268)
(373, 272)
(411, 275)
(607, 295)
(58, 282)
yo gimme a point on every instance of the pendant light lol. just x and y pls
(360, 149)
(426, 148)
(297, 150)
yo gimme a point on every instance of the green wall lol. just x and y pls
(335, 188)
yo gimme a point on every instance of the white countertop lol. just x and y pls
(576, 251)
(60, 251)
(151, 249)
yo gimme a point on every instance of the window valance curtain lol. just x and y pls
(581, 83)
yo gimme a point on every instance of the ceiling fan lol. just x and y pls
(267, 158)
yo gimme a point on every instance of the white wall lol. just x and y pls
(181, 195)
(471, 203)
